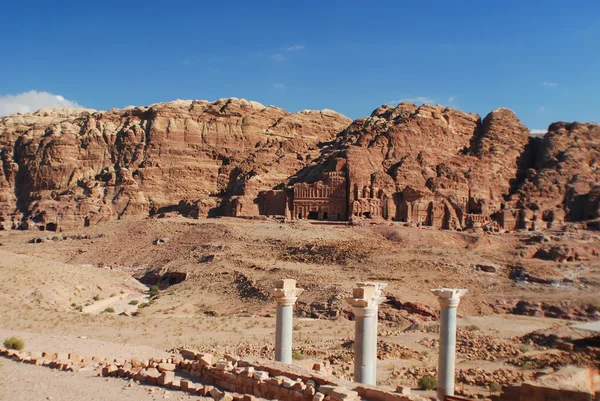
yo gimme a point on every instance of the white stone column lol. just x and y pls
(449, 299)
(286, 294)
(365, 301)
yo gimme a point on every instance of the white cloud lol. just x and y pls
(417, 100)
(541, 109)
(28, 102)
(549, 84)
(279, 85)
(536, 131)
(278, 57)
(294, 48)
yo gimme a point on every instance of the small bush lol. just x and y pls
(297, 356)
(524, 348)
(113, 295)
(15, 343)
(428, 383)
(96, 297)
(393, 235)
(153, 291)
(134, 302)
(495, 387)
(297, 327)
(472, 327)
(109, 310)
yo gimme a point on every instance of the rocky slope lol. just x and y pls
(66, 168)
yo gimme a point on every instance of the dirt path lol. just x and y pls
(23, 382)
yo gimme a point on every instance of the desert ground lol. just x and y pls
(80, 292)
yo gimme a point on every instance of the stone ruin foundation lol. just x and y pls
(232, 378)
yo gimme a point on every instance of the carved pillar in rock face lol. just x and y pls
(286, 294)
(449, 299)
(365, 301)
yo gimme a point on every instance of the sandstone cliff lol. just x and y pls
(65, 168)
(428, 165)
(441, 167)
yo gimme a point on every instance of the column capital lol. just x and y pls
(366, 295)
(449, 297)
(285, 292)
(379, 286)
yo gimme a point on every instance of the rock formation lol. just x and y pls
(424, 165)
(66, 168)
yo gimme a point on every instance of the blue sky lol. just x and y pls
(539, 58)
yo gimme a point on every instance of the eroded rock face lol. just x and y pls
(564, 183)
(425, 165)
(429, 165)
(65, 168)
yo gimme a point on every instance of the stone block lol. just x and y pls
(206, 390)
(35, 355)
(318, 397)
(189, 354)
(205, 359)
(165, 378)
(232, 358)
(140, 376)
(216, 394)
(285, 284)
(166, 367)
(260, 375)
(224, 365)
(109, 370)
(364, 292)
(404, 390)
(340, 393)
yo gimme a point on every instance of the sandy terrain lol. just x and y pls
(223, 306)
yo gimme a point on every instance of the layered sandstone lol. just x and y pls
(425, 165)
(64, 168)
(429, 165)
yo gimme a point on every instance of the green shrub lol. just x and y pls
(15, 343)
(96, 297)
(109, 310)
(428, 383)
(297, 356)
(153, 291)
(472, 327)
(134, 302)
(524, 348)
(495, 387)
